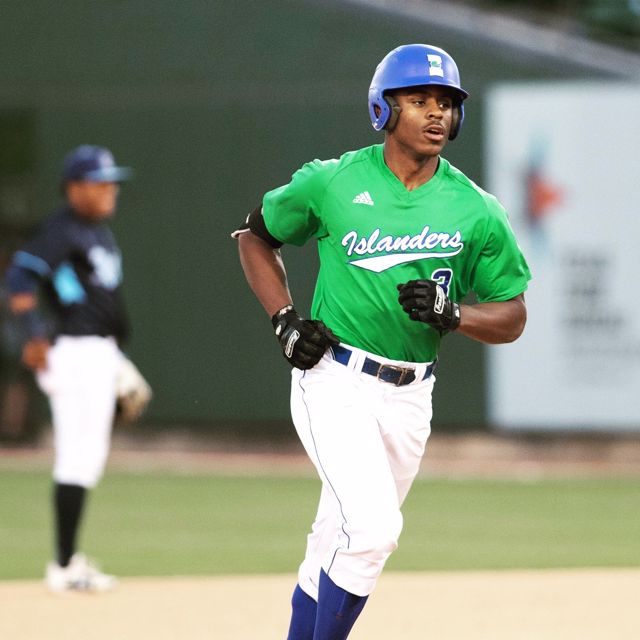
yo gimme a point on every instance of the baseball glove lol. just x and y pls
(133, 392)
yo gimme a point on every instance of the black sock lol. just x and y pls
(68, 501)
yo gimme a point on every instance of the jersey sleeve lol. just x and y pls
(292, 213)
(37, 259)
(46, 250)
(501, 272)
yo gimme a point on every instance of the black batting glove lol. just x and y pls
(303, 341)
(426, 301)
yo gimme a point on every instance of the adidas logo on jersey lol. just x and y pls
(363, 198)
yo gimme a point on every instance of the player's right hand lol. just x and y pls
(34, 353)
(303, 342)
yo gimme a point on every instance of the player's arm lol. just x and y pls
(494, 322)
(489, 322)
(265, 272)
(303, 341)
(22, 284)
(286, 214)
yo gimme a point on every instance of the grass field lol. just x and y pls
(168, 523)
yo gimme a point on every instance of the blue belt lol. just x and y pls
(386, 372)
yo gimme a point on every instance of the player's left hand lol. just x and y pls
(426, 301)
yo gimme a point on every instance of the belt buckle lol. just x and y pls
(402, 370)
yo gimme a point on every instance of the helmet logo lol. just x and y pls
(435, 65)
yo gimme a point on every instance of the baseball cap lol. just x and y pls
(93, 164)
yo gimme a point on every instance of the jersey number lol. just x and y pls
(443, 278)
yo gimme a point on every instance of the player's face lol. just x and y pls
(425, 119)
(94, 200)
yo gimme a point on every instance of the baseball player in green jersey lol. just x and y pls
(402, 237)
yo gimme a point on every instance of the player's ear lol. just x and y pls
(69, 190)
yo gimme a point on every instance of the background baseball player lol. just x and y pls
(402, 237)
(73, 263)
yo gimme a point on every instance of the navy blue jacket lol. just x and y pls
(78, 266)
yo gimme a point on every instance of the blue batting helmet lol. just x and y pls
(413, 65)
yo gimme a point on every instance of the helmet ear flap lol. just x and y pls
(394, 112)
(457, 116)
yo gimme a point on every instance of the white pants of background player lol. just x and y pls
(80, 381)
(366, 439)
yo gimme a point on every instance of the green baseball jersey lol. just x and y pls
(373, 234)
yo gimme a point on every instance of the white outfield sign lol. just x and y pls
(564, 159)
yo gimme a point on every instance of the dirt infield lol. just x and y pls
(475, 454)
(478, 454)
(510, 605)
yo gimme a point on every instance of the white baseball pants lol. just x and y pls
(80, 381)
(366, 439)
